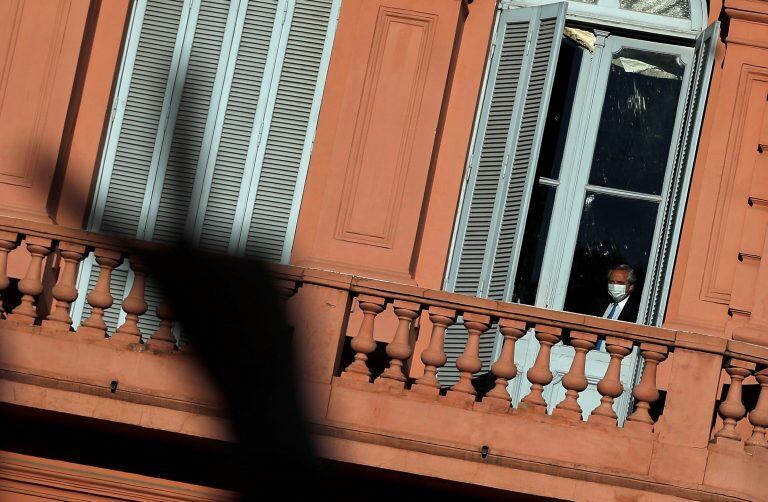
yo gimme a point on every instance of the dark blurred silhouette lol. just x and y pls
(231, 314)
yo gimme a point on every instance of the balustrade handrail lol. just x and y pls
(77, 236)
(526, 313)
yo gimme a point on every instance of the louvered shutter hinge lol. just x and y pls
(258, 138)
(483, 283)
(470, 167)
(493, 49)
(284, 13)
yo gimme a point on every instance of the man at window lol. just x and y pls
(620, 303)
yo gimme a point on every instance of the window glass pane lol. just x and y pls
(559, 111)
(613, 230)
(637, 120)
(673, 8)
(534, 242)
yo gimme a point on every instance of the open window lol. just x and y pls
(581, 160)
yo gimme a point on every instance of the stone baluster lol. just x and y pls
(759, 416)
(134, 304)
(732, 409)
(364, 343)
(469, 361)
(504, 369)
(434, 356)
(100, 298)
(7, 244)
(575, 381)
(646, 393)
(540, 375)
(65, 291)
(163, 338)
(610, 386)
(31, 285)
(400, 349)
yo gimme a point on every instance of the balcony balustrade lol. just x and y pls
(699, 447)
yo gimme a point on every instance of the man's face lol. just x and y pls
(621, 277)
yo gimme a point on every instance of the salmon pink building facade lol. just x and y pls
(439, 189)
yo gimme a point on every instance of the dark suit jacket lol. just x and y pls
(628, 313)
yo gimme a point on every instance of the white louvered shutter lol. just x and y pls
(136, 128)
(685, 155)
(502, 165)
(215, 115)
(280, 177)
(240, 130)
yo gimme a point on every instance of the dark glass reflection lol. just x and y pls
(559, 111)
(613, 230)
(548, 166)
(637, 120)
(534, 242)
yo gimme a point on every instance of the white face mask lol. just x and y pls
(617, 291)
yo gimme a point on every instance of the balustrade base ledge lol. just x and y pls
(355, 376)
(495, 406)
(567, 414)
(21, 319)
(459, 400)
(54, 358)
(638, 427)
(425, 390)
(389, 385)
(92, 336)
